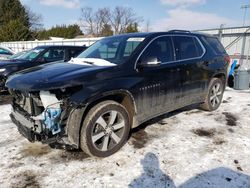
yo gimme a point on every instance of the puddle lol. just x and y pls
(230, 118)
(204, 132)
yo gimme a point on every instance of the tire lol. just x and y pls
(105, 129)
(214, 95)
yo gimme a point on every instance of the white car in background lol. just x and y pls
(5, 52)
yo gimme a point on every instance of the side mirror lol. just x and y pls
(150, 62)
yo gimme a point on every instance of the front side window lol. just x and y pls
(114, 49)
(160, 49)
(54, 54)
(186, 47)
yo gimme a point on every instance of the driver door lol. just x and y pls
(160, 85)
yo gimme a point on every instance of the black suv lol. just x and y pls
(93, 101)
(37, 56)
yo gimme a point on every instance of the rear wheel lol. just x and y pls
(105, 129)
(214, 96)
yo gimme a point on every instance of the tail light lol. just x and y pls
(227, 59)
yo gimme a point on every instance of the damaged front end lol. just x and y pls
(42, 116)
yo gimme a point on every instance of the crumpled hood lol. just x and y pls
(53, 76)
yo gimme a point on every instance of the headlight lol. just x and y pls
(2, 70)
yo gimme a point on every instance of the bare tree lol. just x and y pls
(87, 19)
(122, 17)
(35, 20)
(102, 17)
(112, 21)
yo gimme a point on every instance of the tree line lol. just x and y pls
(19, 23)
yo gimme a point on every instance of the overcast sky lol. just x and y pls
(162, 14)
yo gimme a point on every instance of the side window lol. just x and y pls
(198, 47)
(130, 47)
(186, 47)
(4, 52)
(161, 49)
(54, 54)
(216, 45)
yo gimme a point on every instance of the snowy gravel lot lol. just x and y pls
(186, 148)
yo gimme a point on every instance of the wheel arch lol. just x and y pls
(77, 115)
(221, 76)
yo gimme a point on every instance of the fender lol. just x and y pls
(76, 115)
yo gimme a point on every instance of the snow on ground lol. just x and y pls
(186, 148)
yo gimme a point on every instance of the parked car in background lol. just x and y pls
(37, 56)
(93, 101)
(17, 55)
(5, 52)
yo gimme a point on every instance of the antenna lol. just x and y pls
(245, 12)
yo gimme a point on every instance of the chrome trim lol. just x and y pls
(202, 46)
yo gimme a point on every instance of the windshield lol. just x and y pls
(15, 56)
(32, 54)
(114, 49)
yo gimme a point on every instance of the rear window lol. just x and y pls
(216, 45)
(187, 47)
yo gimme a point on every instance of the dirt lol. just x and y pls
(194, 112)
(139, 139)
(231, 119)
(237, 164)
(204, 132)
(219, 141)
(75, 155)
(34, 150)
(26, 179)
(5, 99)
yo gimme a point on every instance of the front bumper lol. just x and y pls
(29, 128)
(34, 130)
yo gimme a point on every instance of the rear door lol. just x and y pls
(189, 50)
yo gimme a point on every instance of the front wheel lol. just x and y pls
(214, 96)
(105, 129)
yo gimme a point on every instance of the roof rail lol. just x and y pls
(180, 31)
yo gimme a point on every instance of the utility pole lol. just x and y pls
(245, 12)
(221, 31)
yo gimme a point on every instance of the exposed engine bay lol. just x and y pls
(43, 114)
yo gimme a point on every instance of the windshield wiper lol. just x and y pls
(89, 62)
